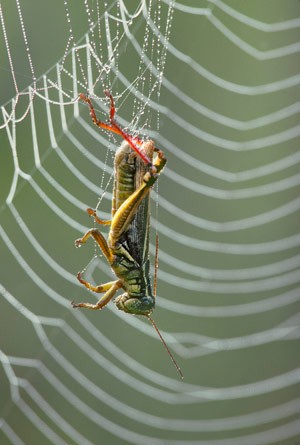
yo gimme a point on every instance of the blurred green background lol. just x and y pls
(227, 219)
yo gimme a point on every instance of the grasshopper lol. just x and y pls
(137, 166)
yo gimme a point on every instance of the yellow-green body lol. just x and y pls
(127, 246)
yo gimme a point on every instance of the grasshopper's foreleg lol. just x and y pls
(109, 288)
(103, 222)
(160, 160)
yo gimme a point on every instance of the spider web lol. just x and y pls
(217, 87)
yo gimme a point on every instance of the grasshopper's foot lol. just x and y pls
(80, 279)
(95, 307)
(91, 212)
(75, 305)
(78, 242)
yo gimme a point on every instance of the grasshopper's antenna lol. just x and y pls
(165, 345)
(151, 320)
(155, 266)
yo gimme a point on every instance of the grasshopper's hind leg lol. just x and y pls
(109, 288)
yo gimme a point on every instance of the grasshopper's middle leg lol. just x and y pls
(100, 240)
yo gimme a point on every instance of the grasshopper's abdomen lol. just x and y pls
(131, 263)
(124, 175)
(129, 171)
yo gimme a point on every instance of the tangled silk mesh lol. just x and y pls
(216, 86)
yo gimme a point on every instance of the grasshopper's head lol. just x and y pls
(135, 306)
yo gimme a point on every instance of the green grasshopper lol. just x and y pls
(137, 166)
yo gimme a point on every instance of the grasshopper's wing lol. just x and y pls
(137, 235)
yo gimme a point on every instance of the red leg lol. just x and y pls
(113, 126)
(94, 117)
